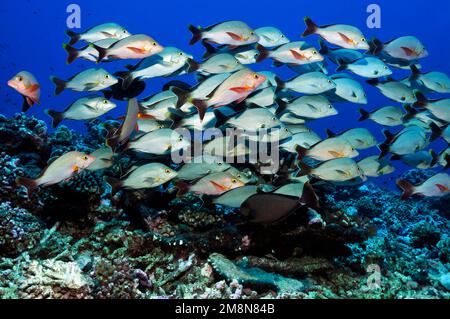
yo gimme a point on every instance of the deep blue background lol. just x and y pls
(32, 33)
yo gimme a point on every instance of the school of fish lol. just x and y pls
(228, 94)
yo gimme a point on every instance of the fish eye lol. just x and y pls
(252, 33)
(286, 130)
(234, 181)
(180, 139)
(329, 81)
(330, 106)
(385, 67)
(106, 76)
(20, 78)
(274, 118)
(154, 43)
(220, 164)
(85, 158)
(282, 36)
(167, 171)
(105, 101)
(256, 76)
(403, 98)
(125, 31)
(314, 52)
(363, 40)
(180, 53)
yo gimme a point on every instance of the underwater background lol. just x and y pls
(75, 241)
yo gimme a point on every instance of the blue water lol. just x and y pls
(32, 33)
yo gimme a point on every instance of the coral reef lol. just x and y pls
(73, 240)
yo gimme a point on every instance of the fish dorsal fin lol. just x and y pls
(330, 133)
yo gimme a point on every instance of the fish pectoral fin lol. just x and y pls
(346, 38)
(90, 86)
(342, 172)
(241, 89)
(34, 87)
(297, 55)
(107, 34)
(218, 186)
(90, 107)
(312, 107)
(75, 169)
(235, 36)
(409, 51)
(336, 154)
(137, 50)
(151, 180)
(442, 188)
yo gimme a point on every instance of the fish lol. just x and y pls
(86, 108)
(373, 166)
(409, 140)
(270, 37)
(245, 54)
(320, 66)
(137, 46)
(434, 81)
(424, 119)
(342, 35)
(394, 90)
(436, 186)
(231, 33)
(201, 166)
(268, 135)
(403, 48)
(359, 138)
(26, 85)
(303, 139)
(166, 63)
(446, 134)
(334, 170)
(297, 53)
(234, 89)
(88, 52)
(99, 32)
(160, 142)
(159, 105)
(103, 159)
(339, 55)
(123, 134)
(386, 115)
(216, 64)
(61, 169)
(229, 145)
(347, 89)
(263, 97)
(444, 158)
(309, 83)
(307, 107)
(440, 108)
(236, 197)
(212, 184)
(367, 67)
(270, 208)
(298, 128)
(146, 176)
(250, 119)
(145, 125)
(330, 148)
(421, 159)
(89, 80)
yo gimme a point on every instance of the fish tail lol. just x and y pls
(422, 100)
(342, 65)
(447, 161)
(60, 85)
(210, 49)
(364, 115)
(415, 72)
(434, 158)
(304, 169)
(282, 105)
(57, 117)
(323, 48)
(375, 46)
(72, 53)
(196, 34)
(301, 152)
(220, 118)
(183, 188)
(192, 66)
(182, 95)
(102, 52)
(406, 187)
(113, 142)
(384, 147)
(436, 131)
(127, 78)
(115, 184)
(27, 104)
(263, 53)
(28, 183)
(410, 112)
(201, 106)
(309, 197)
(373, 82)
(280, 84)
(311, 27)
(74, 37)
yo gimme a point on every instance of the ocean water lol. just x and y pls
(362, 227)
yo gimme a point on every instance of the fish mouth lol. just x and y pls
(12, 84)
